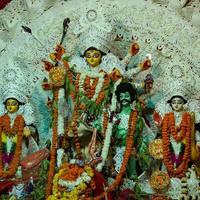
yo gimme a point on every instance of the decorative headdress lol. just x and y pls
(17, 82)
(93, 29)
(179, 83)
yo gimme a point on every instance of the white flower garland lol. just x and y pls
(61, 96)
(81, 81)
(106, 144)
(70, 185)
(98, 88)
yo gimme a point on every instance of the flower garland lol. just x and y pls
(54, 144)
(105, 122)
(100, 94)
(156, 149)
(175, 130)
(98, 89)
(159, 180)
(71, 181)
(129, 143)
(90, 87)
(159, 197)
(168, 129)
(94, 88)
(17, 128)
(93, 85)
(61, 96)
(108, 132)
(75, 120)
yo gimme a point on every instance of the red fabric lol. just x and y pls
(5, 186)
(157, 119)
(34, 159)
(3, 3)
(125, 194)
(100, 183)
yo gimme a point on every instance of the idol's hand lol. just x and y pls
(134, 48)
(26, 132)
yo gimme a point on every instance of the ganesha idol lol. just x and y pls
(176, 117)
(19, 151)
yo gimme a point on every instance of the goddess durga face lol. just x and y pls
(93, 56)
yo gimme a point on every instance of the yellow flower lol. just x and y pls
(4, 138)
(76, 192)
(89, 171)
(52, 197)
(52, 56)
(15, 139)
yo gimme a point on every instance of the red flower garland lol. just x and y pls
(53, 146)
(128, 150)
(168, 128)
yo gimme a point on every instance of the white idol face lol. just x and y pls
(177, 104)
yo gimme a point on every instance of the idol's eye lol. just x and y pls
(96, 55)
(88, 55)
(180, 101)
(13, 103)
(173, 101)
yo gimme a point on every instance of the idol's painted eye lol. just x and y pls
(14, 103)
(177, 101)
(180, 101)
(88, 55)
(173, 101)
(96, 55)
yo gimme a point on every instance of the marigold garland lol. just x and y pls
(128, 150)
(54, 145)
(105, 122)
(72, 173)
(159, 180)
(101, 94)
(156, 149)
(168, 129)
(90, 86)
(127, 153)
(17, 128)
(160, 197)
(91, 83)
(75, 120)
